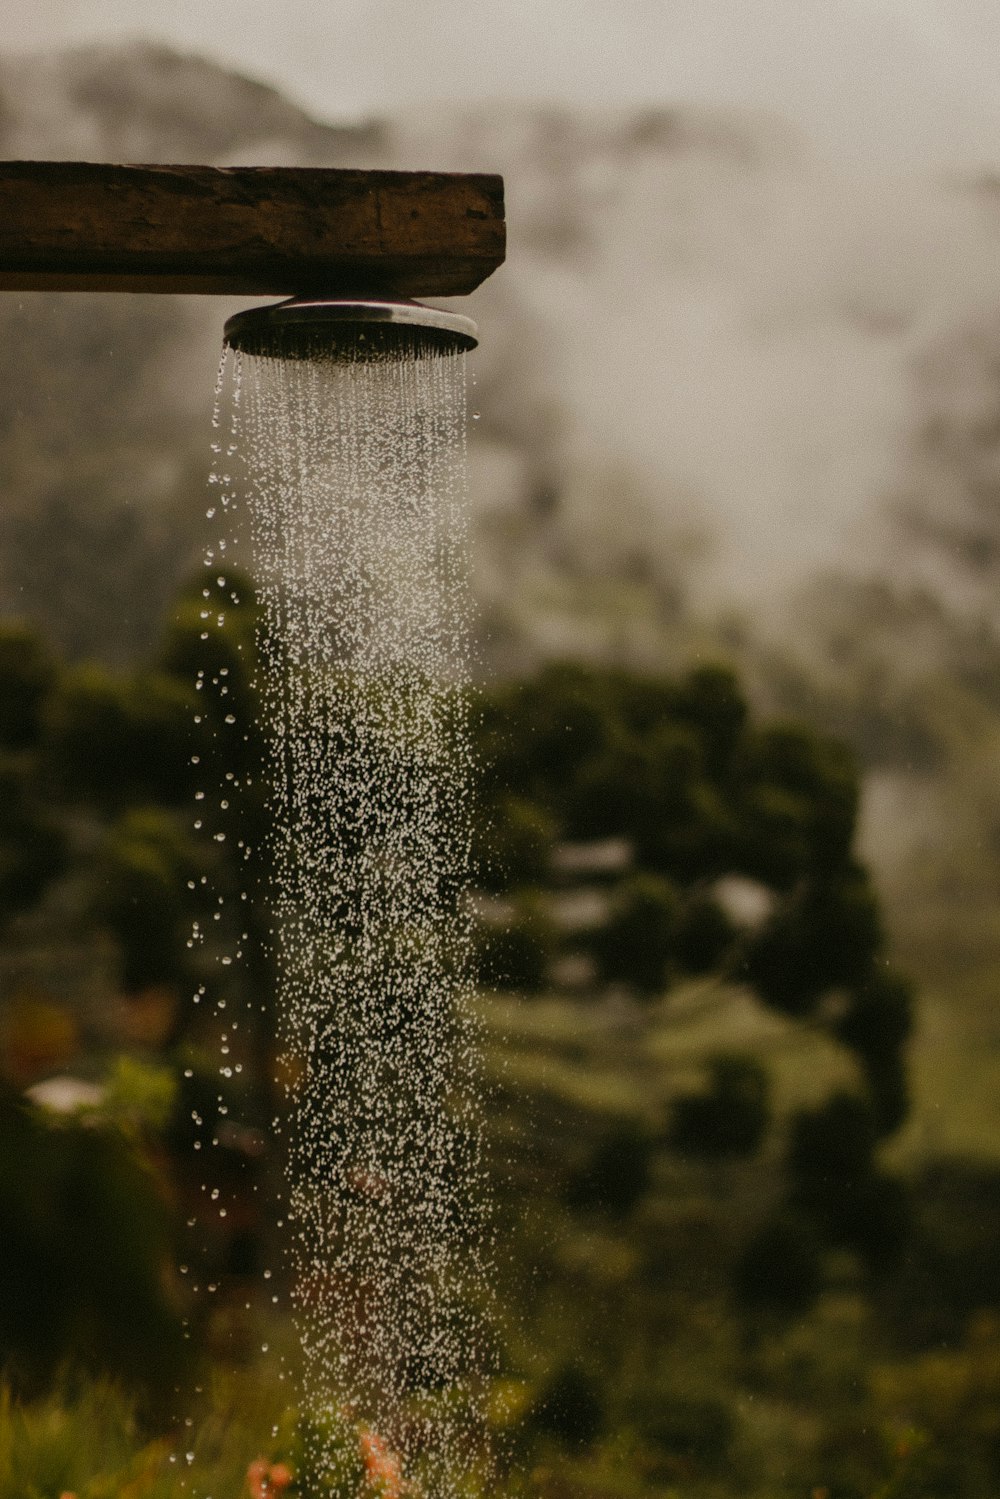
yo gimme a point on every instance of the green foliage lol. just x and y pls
(146, 863)
(876, 1026)
(835, 1141)
(513, 844)
(685, 1432)
(66, 1443)
(87, 1438)
(945, 1407)
(827, 934)
(210, 652)
(139, 1096)
(799, 791)
(33, 846)
(116, 740)
(780, 1270)
(636, 943)
(570, 1407)
(678, 770)
(27, 675)
(948, 1276)
(83, 1255)
(617, 1174)
(641, 1256)
(326, 1457)
(705, 938)
(837, 1183)
(731, 1117)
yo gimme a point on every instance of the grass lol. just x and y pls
(85, 1439)
(603, 1059)
(606, 1060)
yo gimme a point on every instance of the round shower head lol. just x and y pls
(350, 329)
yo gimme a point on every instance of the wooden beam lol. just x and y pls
(253, 231)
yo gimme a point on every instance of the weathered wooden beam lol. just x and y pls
(254, 231)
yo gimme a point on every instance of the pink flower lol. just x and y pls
(265, 1479)
(257, 1479)
(381, 1465)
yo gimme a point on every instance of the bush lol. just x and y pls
(113, 740)
(146, 863)
(799, 795)
(731, 1118)
(685, 1431)
(27, 675)
(618, 1173)
(834, 1142)
(634, 947)
(835, 1181)
(33, 847)
(949, 1273)
(705, 936)
(780, 1270)
(83, 1256)
(827, 935)
(570, 1408)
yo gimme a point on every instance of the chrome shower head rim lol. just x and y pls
(302, 326)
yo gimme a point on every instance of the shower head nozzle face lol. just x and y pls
(349, 330)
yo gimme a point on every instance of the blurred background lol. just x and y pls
(735, 487)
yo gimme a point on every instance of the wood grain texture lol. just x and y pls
(255, 231)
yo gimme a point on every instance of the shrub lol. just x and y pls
(83, 1255)
(618, 1173)
(635, 944)
(731, 1117)
(780, 1270)
(570, 1408)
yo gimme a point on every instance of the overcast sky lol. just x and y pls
(903, 77)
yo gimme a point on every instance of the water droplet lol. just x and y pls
(365, 619)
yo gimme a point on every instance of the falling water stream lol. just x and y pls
(347, 486)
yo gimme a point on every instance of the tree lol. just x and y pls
(837, 1184)
(679, 770)
(636, 943)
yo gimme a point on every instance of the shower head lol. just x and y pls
(349, 329)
